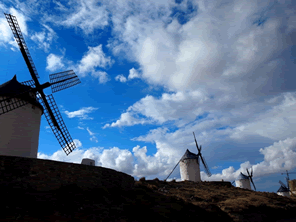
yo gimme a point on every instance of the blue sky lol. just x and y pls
(152, 72)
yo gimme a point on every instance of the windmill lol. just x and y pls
(243, 181)
(25, 94)
(284, 190)
(189, 165)
(289, 181)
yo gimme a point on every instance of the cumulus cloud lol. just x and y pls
(77, 143)
(120, 78)
(135, 163)
(126, 120)
(277, 158)
(81, 113)
(95, 57)
(102, 76)
(54, 62)
(133, 73)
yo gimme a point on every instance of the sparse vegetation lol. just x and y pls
(153, 200)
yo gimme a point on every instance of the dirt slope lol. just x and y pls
(152, 200)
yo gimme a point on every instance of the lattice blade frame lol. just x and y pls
(62, 135)
(21, 42)
(63, 80)
(9, 103)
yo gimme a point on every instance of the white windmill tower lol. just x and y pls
(189, 165)
(243, 181)
(283, 190)
(24, 121)
(23, 104)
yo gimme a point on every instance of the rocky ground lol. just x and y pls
(151, 200)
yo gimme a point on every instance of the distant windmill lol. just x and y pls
(20, 126)
(243, 181)
(289, 181)
(189, 165)
(284, 190)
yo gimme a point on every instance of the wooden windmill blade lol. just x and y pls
(250, 177)
(205, 166)
(57, 125)
(63, 80)
(59, 81)
(196, 143)
(15, 28)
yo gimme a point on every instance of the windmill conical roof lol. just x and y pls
(283, 189)
(13, 87)
(242, 177)
(189, 155)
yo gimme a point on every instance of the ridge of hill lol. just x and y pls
(45, 190)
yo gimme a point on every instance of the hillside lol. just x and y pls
(45, 190)
(153, 200)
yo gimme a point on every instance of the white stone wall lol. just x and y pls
(285, 194)
(189, 170)
(243, 184)
(19, 131)
(87, 161)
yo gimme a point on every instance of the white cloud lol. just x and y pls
(126, 120)
(102, 76)
(77, 143)
(54, 62)
(95, 57)
(81, 113)
(93, 137)
(79, 127)
(44, 38)
(133, 73)
(135, 163)
(6, 36)
(277, 158)
(85, 14)
(120, 78)
(90, 133)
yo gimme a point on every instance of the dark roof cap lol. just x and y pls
(189, 155)
(283, 189)
(13, 87)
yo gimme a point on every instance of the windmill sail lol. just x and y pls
(63, 80)
(205, 166)
(250, 177)
(57, 125)
(203, 161)
(59, 81)
(22, 44)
